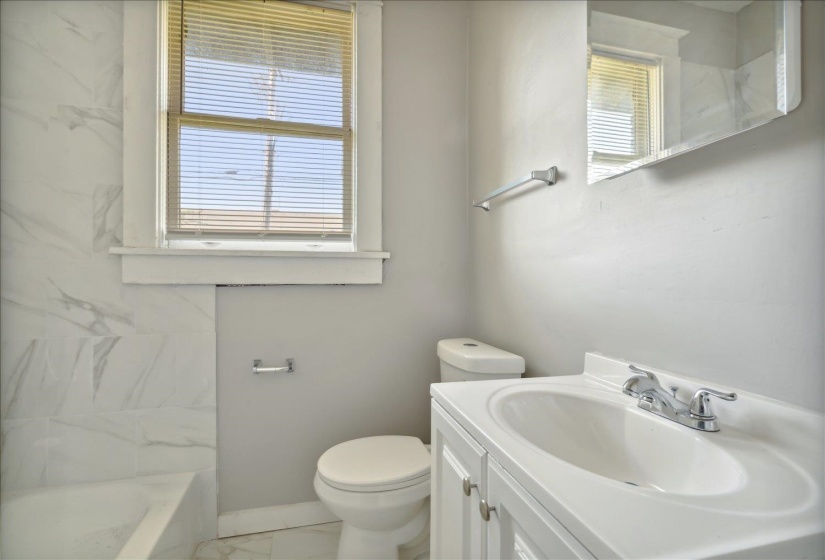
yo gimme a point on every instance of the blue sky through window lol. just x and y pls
(228, 169)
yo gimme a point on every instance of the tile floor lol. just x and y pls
(316, 542)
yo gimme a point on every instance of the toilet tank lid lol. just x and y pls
(474, 356)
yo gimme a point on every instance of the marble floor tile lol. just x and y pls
(316, 541)
(245, 547)
(303, 543)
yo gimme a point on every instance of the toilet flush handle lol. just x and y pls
(468, 486)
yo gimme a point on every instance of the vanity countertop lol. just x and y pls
(774, 504)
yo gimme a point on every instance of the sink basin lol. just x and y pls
(611, 438)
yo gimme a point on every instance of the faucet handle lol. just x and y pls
(700, 403)
(649, 374)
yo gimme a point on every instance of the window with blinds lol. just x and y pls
(259, 121)
(623, 115)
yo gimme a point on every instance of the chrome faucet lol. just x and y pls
(696, 414)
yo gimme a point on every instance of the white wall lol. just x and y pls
(365, 355)
(710, 264)
(99, 380)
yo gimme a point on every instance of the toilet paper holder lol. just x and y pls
(289, 368)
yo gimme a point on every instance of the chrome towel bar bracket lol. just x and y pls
(289, 368)
(546, 175)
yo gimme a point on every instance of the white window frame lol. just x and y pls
(655, 119)
(145, 258)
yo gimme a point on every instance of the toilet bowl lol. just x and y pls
(380, 486)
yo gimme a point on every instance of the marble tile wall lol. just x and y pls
(756, 90)
(707, 102)
(98, 380)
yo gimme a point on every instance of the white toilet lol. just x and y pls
(380, 486)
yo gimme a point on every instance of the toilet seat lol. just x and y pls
(375, 464)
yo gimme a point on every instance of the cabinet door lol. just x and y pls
(519, 527)
(456, 528)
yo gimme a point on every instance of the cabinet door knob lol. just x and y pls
(485, 509)
(468, 486)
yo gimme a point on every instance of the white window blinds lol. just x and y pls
(623, 123)
(260, 139)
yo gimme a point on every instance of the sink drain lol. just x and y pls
(631, 483)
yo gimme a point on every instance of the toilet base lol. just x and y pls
(405, 543)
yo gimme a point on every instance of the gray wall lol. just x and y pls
(710, 264)
(365, 355)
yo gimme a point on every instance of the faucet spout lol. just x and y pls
(653, 398)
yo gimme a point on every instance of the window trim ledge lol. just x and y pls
(219, 267)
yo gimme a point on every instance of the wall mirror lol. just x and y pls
(670, 76)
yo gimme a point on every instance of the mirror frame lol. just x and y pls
(788, 48)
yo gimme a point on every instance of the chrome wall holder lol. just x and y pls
(546, 175)
(289, 368)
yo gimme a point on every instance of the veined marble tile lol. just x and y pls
(25, 11)
(46, 61)
(176, 440)
(95, 15)
(246, 547)
(23, 138)
(25, 66)
(317, 541)
(108, 219)
(22, 298)
(133, 372)
(756, 90)
(45, 222)
(206, 486)
(174, 309)
(108, 85)
(23, 453)
(708, 101)
(196, 369)
(46, 377)
(87, 298)
(86, 145)
(91, 448)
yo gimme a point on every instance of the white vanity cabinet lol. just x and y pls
(520, 527)
(458, 480)
(517, 526)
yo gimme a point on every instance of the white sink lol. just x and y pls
(754, 489)
(607, 438)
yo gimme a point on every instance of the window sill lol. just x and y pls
(222, 266)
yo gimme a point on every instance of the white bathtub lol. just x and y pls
(140, 518)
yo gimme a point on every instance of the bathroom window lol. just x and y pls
(259, 121)
(624, 121)
(252, 142)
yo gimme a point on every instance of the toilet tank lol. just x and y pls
(465, 359)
